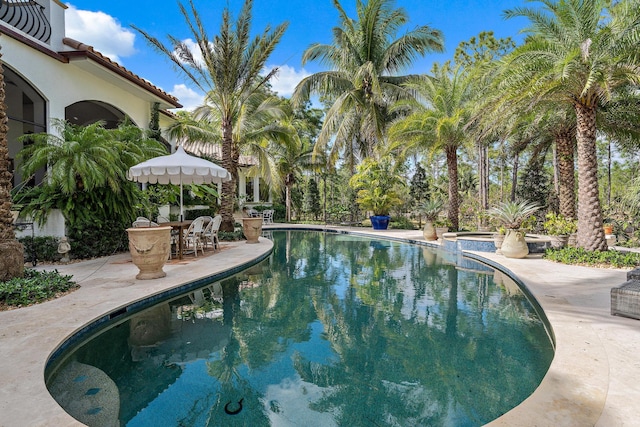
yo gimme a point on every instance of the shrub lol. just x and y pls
(580, 256)
(558, 225)
(90, 239)
(45, 247)
(402, 223)
(195, 213)
(34, 287)
(230, 236)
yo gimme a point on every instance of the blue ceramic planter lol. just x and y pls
(380, 222)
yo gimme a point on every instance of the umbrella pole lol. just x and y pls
(181, 209)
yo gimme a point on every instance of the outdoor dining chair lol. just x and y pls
(143, 222)
(193, 235)
(210, 233)
(267, 216)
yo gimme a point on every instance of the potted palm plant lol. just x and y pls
(511, 215)
(376, 182)
(430, 209)
(559, 228)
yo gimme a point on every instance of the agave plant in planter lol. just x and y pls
(511, 215)
(376, 182)
(430, 209)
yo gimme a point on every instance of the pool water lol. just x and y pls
(330, 330)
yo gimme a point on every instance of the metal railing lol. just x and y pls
(27, 16)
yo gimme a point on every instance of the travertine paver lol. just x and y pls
(592, 381)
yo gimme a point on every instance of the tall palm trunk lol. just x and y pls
(288, 183)
(11, 251)
(483, 174)
(228, 187)
(566, 168)
(590, 232)
(452, 169)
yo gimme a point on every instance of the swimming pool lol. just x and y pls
(332, 329)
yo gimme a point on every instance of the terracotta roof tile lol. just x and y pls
(85, 50)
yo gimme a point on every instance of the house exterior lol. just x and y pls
(48, 75)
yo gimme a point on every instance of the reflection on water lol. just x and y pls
(330, 330)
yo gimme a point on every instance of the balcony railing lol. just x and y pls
(27, 16)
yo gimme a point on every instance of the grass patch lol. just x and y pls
(580, 256)
(34, 287)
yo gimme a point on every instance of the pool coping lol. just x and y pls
(591, 380)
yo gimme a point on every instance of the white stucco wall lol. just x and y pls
(54, 226)
(64, 84)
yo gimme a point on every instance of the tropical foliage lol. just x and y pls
(511, 215)
(558, 225)
(499, 123)
(431, 208)
(35, 287)
(580, 256)
(578, 53)
(364, 61)
(85, 179)
(229, 73)
(437, 123)
(377, 184)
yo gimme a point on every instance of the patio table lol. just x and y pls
(180, 226)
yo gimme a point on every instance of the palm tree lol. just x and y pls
(84, 158)
(578, 53)
(364, 58)
(228, 73)
(11, 251)
(437, 123)
(261, 125)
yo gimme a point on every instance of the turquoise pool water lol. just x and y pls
(331, 330)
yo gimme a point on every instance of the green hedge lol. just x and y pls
(579, 256)
(91, 239)
(46, 248)
(195, 213)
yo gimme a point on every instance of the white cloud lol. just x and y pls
(285, 81)
(195, 50)
(188, 97)
(101, 31)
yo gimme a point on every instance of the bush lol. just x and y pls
(580, 256)
(558, 225)
(91, 239)
(402, 223)
(230, 236)
(195, 213)
(34, 287)
(45, 247)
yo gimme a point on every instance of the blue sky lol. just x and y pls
(107, 27)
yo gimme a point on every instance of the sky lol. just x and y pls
(106, 25)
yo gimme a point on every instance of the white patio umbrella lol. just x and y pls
(178, 168)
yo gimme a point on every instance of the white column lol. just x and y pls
(256, 189)
(242, 186)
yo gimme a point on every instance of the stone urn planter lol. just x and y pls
(440, 231)
(498, 239)
(514, 245)
(558, 242)
(252, 229)
(149, 247)
(429, 231)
